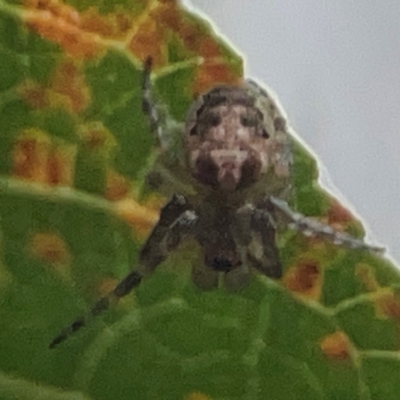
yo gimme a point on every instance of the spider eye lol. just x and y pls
(212, 119)
(252, 118)
(264, 133)
(221, 264)
(248, 121)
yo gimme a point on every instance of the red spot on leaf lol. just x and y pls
(208, 48)
(337, 214)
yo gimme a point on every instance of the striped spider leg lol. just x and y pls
(176, 220)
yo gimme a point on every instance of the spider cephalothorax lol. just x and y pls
(236, 148)
(230, 139)
(228, 143)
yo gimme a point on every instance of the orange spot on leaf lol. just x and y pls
(68, 80)
(92, 21)
(117, 186)
(57, 8)
(210, 73)
(30, 157)
(208, 48)
(94, 138)
(60, 166)
(34, 94)
(66, 89)
(304, 278)
(388, 305)
(148, 41)
(112, 25)
(49, 247)
(336, 346)
(60, 23)
(37, 159)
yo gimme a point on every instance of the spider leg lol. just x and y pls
(256, 231)
(148, 104)
(204, 277)
(161, 122)
(238, 278)
(176, 221)
(311, 227)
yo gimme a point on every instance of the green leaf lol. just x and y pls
(75, 148)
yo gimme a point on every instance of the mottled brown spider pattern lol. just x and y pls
(230, 184)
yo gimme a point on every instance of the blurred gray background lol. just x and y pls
(335, 66)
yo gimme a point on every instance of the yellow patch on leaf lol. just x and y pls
(140, 217)
(365, 274)
(387, 302)
(197, 396)
(105, 286)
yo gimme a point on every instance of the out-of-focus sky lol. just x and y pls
(335, 66)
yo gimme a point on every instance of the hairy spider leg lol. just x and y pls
(312, 227)
(258, 234)
(148, 103)
(176, 221)
(158, 115)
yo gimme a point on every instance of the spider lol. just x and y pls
(237, 156)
